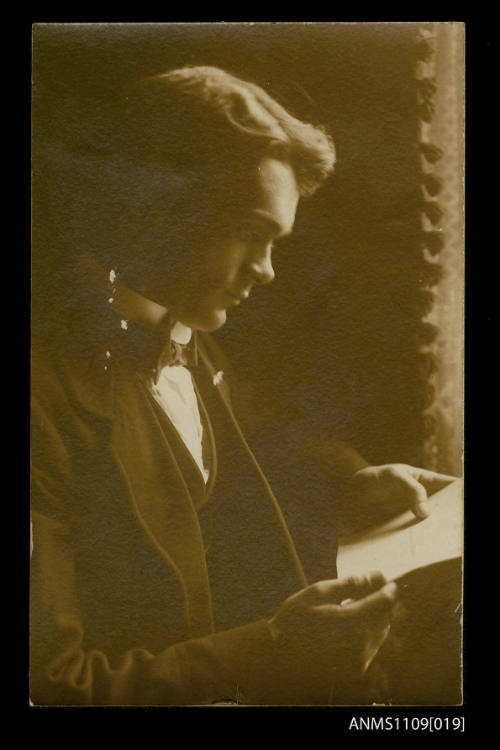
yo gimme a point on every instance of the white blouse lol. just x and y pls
(176, 395)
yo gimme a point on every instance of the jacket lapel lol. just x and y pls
(191, 473)
(222, 387)
(160, 496)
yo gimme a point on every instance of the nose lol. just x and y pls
(261, 269)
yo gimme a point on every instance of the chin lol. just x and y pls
(209, 321)
(215, 321)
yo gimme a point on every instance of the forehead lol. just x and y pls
(275, 195)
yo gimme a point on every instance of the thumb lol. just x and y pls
(356, 587)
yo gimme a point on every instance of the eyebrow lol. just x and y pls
(275, 225)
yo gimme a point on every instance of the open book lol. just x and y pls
(404, 543)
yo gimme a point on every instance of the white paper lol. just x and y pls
(405, 543)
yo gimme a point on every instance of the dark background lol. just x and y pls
(335, 340)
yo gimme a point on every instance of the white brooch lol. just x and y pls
(217, 378)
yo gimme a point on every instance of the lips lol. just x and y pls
(240, 296)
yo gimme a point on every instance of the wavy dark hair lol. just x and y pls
(196, 117)
(150, 154)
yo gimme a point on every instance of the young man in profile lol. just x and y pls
(163, 571)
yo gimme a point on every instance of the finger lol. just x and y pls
(432, 481)
(379, 604)
(419, 503)
(356, 587)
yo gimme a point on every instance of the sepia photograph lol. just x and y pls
(247, 364)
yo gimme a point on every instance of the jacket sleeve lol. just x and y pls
(238, 664)
(229, 665)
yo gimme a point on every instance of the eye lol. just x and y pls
(249, 233)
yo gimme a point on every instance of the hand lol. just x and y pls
(336, 626)
(376, 492)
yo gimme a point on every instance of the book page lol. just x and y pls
(406, 543)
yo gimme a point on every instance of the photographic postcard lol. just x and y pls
(203, 437)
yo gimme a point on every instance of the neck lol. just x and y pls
(132, 305)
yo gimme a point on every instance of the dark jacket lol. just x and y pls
(148, 587)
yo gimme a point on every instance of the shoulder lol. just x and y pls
(65, 400)
(67, 379)
(48, 392)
